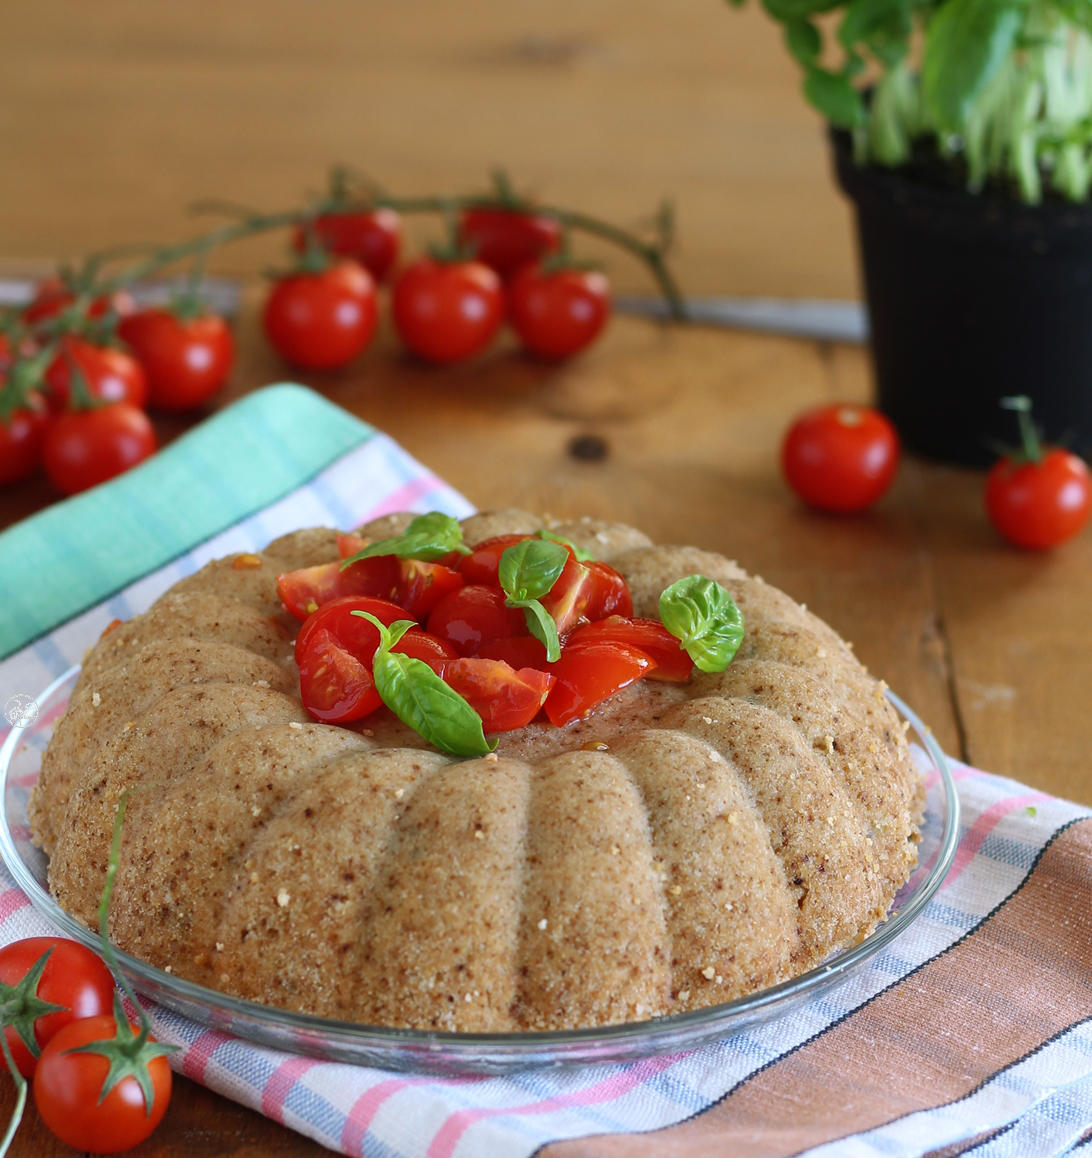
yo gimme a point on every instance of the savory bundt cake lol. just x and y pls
(683, 844)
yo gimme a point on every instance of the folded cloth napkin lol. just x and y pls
(970, 1033)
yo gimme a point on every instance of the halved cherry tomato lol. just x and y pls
(373, 238)
(422, 585)
(567, 600)
(109, 373)
(588, 675)
(305, 591)
(506, 239)
(504, 697)
(610, 593)
(672, 662)
(518, 651)
(334, 651)
(482, 564)
(350, 543)
(473, 616)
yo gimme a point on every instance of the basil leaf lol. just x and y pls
(428, 537)
(540, 623)
(582, 555)
(529, 569)
(419, 698)
(703, 617)
(968, 42)
(834, 97)
(803, 40)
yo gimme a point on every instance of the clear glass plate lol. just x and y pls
(455, 1053)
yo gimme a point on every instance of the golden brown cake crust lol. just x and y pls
(682, 846)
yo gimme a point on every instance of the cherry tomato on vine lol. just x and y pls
(372, 238)
(322, 321)
(559, 313)
(53, 295)
(109, 373)
(72, 977)
(506, 239)
(1039, 504)
(83, 448)
(186, 359)
(21, 437)
(67, 1087)
(447, 311)
(840, 458)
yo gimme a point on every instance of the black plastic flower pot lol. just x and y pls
(973, 298)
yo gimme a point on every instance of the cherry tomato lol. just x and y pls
(672, 662)
(1039, 504)
(473, 616)
(83, 448)
(588, 675)
(67, 1088)
(840, 458)
(371, 238)
(186, 359)
(52, 295)
(334, 652)
(422, 585)
(109, 373)
(506, 239)
(567, 600)
(504, 697)
(518, 651)
(557, 314)
(21, 438)
(447, 311)
(483, 563)
(73, 977)
(322, 321)
(610, 593)
(303, 592)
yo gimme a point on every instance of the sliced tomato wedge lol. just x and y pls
(504, 697)
(649, 635)
(473, 616)
(567, 600)
(304, 592)
(610, 593)
(589, 674)
(517, 650)
(483, 563)
(334, 652)
(350, 543)
(422, 585)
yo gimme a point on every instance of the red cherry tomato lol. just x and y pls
(610, 593)
(588, 675)
(371, 238)
(1039, 504)
(474, 616)
(567, 601)
(305, 591)
(53, 295)
(83, 448)
(840, 458)
(422, 585)
(505, 239)
(518, 651)
(109, 373)
(557, 314)
(447, 311)
(67, 1087)
(186, 359)
(672, 662)
(483, 563)
(504, 697)
(21, 440)
(334, 651)
(73, 977)
(322, 321)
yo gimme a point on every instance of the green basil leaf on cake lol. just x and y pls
(704, 618)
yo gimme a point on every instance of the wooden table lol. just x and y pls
(129, 111)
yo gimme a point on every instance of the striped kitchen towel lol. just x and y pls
(969, 1034)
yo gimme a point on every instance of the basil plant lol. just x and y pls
(1005, 84)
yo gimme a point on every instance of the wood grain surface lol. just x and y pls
(117, 114)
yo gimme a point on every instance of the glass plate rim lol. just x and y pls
(463, 1052)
